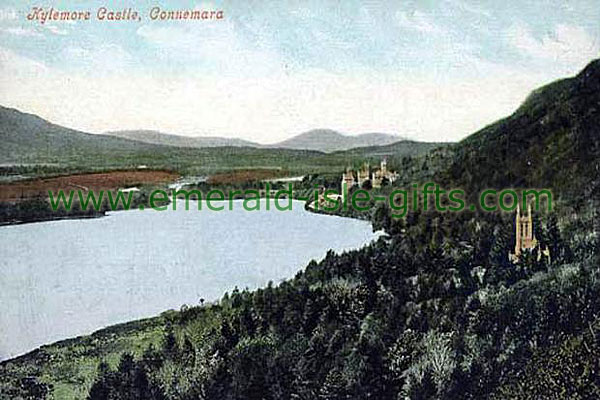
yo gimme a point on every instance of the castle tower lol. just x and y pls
(364, 174)
(529, 241)
(384, 167)
(347, 183)
(525, 240)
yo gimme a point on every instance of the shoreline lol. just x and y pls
(138, 324)
(61, 218)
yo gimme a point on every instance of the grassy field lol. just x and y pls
(39, 187)
(205, 162)
(70, 366)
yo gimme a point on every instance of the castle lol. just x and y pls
(347, 182)
(348, 178)
(525, 238)
(364, 175)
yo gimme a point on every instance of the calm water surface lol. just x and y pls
(65, 278)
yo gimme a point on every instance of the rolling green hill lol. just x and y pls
(395, 152)
(28, 139)
(551, 140)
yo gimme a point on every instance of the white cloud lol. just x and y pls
(8, 14)
(107, 89)
(20, 31)
(13, 64)
(104, 59)
(217, 45)
(56, 30)
(26, 32)
(568, 46)
(418, 21)
(33, 32)
(264, 108)
(469, 7)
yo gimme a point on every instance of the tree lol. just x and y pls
(101, 387)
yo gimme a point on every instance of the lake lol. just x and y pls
(66, 278)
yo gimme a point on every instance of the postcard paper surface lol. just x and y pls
(299, 200)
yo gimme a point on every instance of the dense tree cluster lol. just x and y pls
(432, 310)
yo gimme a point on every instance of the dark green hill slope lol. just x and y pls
(551, 140)
(27, 138)
(394, 152)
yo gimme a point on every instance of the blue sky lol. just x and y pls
(429, 70)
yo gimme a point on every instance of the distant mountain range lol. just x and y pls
(28, 141)
(28, 138)
(327, 140)
(155, 137)
(324, 140)
(550, 140)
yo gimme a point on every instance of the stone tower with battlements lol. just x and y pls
(525, 239)
(347, 183)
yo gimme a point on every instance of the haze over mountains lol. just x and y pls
(155, 137)
(546, 138)
(27, 138)
(30, 143)
(324, 140)
(328, 140)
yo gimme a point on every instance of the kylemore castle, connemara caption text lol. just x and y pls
(155, 13)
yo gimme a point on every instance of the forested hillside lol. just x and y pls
(432, 310)
(552, 140)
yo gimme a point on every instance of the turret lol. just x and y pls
(525, 240)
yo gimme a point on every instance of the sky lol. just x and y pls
(425, 70)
